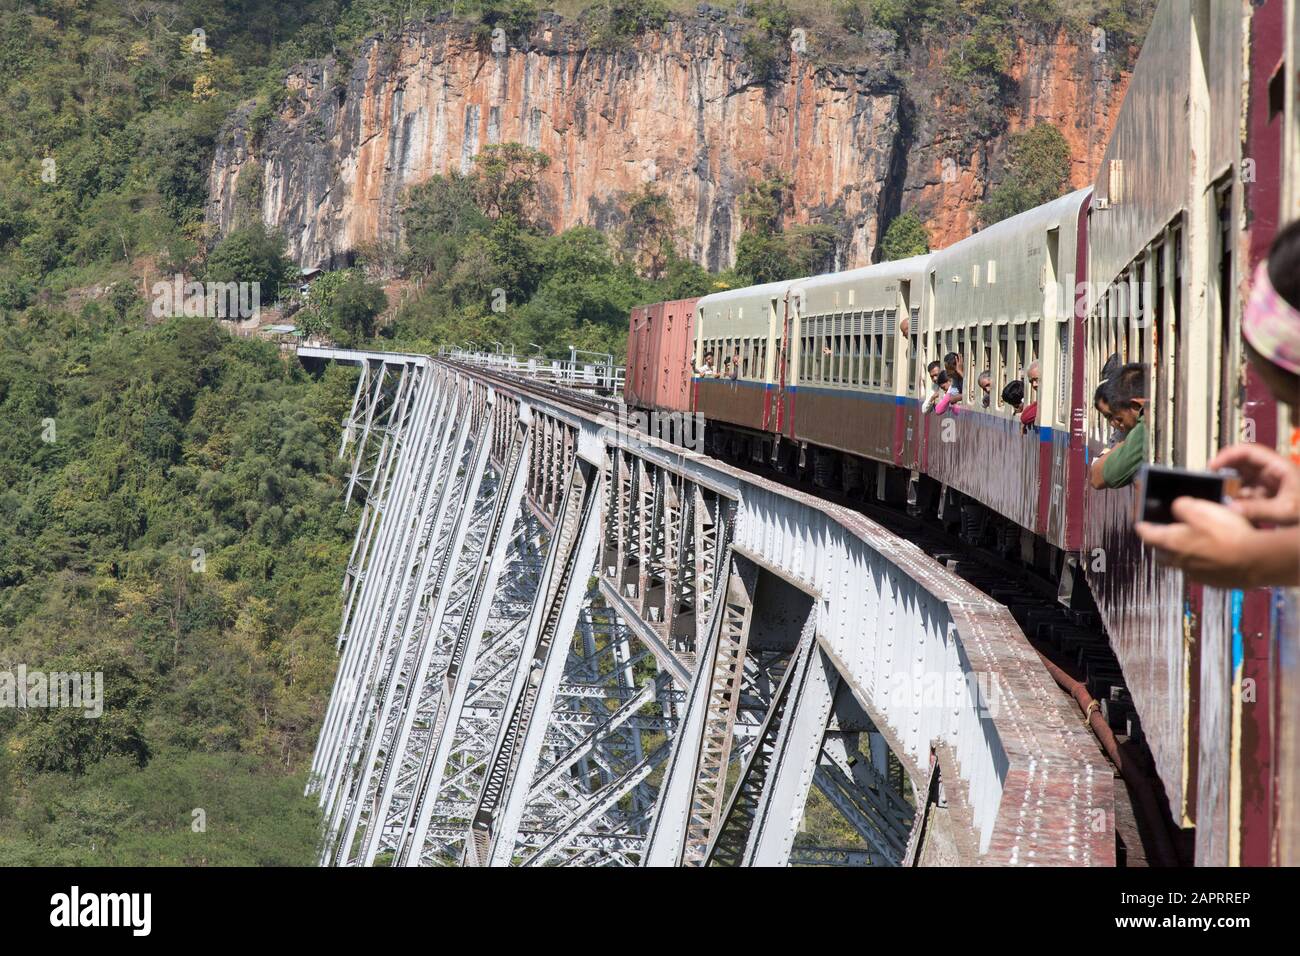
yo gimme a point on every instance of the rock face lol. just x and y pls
(678, 108)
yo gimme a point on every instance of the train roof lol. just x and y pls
(1031, 220)
(767, 289)
(897, 268)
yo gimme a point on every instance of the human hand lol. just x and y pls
(1211, 543)
(1270, 484)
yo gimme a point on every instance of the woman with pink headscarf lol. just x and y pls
(1254, 541)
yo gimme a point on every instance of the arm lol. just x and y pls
(1095, 476)
(1214, 545)
(1270, 484)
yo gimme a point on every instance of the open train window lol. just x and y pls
(986, 362)
(1020, 345)
(878, 348)
(1228, 380)
(887, 376)
(1140, 306)
(1004, 371)
(842, 323)
(912, 349)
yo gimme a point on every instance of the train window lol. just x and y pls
(1178, 456)
(1063, 371)
(1222, 272)
(1111, 347)
(1004, 372)
(828, 357)
(878, 346)
(1160, 371)
(815, 351)
(887, 377)
(1139, 315)
(762, 360)
(1123, 313)
(866, 356)
(986, 361)
(1020, 348)
(847, 362)
(860, 354)
(1034, 352)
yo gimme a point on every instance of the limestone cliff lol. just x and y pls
(679, 108)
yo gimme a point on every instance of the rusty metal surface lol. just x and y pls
(855, 422)
(738, 402)
(985, 456)
(659, 350)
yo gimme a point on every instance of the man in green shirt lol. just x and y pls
(1117, 467)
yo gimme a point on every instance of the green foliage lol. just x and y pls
(647, 239)
(612, 23)
(357, 303)
(252, 254)
(767, 43)
(170, 442)
(507, 180)
(906, 236)
(798, 251)
(1038, 171)
(767, 252)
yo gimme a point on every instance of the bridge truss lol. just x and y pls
(566, 643)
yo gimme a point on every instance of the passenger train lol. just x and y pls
(827, 380)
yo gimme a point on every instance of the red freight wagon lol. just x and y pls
(659, 350)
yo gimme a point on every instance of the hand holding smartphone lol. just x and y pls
(1160, 486)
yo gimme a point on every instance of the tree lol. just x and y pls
(507, 180)
(356, 304)
(765, 251)
(252, 254)
(121, 297)
(1038, 171)
(906, 236)
(647, 237)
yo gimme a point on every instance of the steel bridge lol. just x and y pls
(565, 642)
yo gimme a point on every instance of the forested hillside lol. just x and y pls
(170, 506)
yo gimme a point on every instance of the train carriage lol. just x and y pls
(1004, 299)
(852, 383)
(658, 356)
(1184, 209)
(741, 329)
(1152, 263)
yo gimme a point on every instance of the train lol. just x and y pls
(825, 378)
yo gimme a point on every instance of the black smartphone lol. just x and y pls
(1161, 485)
